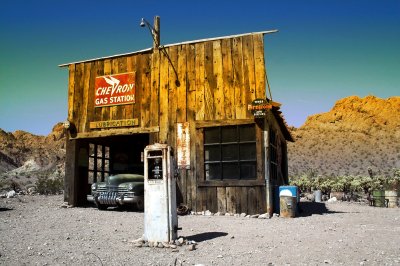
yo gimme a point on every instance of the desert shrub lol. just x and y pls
(47, 186)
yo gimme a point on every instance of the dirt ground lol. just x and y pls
(37, 230)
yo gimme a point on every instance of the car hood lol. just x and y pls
(115, 180)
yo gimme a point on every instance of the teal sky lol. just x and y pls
(324, 50)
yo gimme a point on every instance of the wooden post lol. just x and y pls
(156, 32)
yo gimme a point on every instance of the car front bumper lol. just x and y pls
(113, 198)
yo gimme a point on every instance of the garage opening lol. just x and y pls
(115, 155)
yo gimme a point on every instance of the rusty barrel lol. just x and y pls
(287, 206)
(391, 197)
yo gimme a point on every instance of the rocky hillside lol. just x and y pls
(24, 157)
(357, 134)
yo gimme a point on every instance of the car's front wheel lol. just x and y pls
(140, 205)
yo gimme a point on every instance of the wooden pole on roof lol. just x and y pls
(156, 32)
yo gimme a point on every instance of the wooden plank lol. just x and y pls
(85, 96)
(99, 66)
(248, 70)
(243, 200)
(251, 201)
(78, 95)
(212, 205)
(230, 183)
(238, 80)
(221, 195)
(71, 92)
(199, 164)
(239, 207)
(214, 123)
(91, 95)
(218, 90)
(117, 132)
(202, 199)
(164, 101)
(172, 94)
(191, 116)
(231, 199)
(200, 84)
(155, 88)
(209, 83)
(146, 92)
(227, 76)
(259, 60)
(181, 89)
(137, 108)
(130, 67)
(105, 111)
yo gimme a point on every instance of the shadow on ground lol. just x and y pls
(310, 208)
(2, 209)
(206, 236)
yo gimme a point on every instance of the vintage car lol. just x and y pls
(118, 190)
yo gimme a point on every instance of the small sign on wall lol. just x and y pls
(114, 123)
(259, 108)
(183, 145)
(114, 89)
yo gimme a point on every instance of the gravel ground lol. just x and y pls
(37, 230)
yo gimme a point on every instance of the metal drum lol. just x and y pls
(287, 206)
(378, 198)
(391, 196)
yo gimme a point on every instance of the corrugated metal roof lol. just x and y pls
(169, 45)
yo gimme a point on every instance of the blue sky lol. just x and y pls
(324, 50)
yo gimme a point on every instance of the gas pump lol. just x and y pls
(160, 217)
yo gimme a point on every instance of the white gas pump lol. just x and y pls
(160, 217)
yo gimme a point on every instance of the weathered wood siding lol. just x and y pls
(203, 81)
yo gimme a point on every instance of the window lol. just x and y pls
(230, 152)
(99, 163)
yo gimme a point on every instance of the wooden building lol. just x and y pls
(194, 96)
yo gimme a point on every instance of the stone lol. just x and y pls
(208, 213)
(254, 216)
(333, 199)
(165, 244)
(191, 247)
(173, 246)
(138, 245)
(243, 214)
(11, 194)
(160, 245)
(175, 250)
(228, 214)
(220, 256)
(264, 216)
(218, 214)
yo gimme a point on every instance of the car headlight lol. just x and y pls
(94, 186)
(130, 187)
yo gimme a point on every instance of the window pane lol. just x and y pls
(247, 133)
(229, 134)
(248, 170)
(211, 135)
(213, 171)
(230, 152)
(248, 151)
(230, 171)
(212, 153)
(91, 178)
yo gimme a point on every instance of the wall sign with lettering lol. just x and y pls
(114, 89)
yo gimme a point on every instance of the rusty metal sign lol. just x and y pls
(183, 145)
(114, 90)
